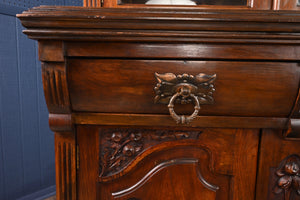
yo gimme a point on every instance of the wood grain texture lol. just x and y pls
(91, 86)
(245, 165)
(88, 172)
(65, 162)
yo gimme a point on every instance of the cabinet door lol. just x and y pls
(279, 167)
(157, 163)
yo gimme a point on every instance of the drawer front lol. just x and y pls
(127, 86)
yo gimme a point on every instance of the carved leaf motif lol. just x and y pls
(285, 182)
(289, 176)
(120, 147)
(168, 77)
(201, 78)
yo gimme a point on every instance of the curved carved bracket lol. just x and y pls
(288, 174)
(55, 87)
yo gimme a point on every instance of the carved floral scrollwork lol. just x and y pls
(120, 147)
(289, 177)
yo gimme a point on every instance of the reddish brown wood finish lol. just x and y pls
(215, 149)
(134, 83)
(88, 155)
(113, 142)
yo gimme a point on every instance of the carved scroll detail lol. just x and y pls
(288, 174)
(120, 147)
(157, 169)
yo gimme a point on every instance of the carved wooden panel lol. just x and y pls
(55, 87)
(168, 160)
(120, 146)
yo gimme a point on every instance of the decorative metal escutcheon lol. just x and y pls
(184, 89)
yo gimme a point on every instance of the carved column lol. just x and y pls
(92, 3)
(60, 119)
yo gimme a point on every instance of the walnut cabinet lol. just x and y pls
(163, 104)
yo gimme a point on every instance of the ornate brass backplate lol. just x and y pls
(200, 85)
(183, 89)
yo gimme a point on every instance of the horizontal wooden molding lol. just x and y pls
(166, 120)
(142, 24)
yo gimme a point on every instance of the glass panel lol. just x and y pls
(187, 2)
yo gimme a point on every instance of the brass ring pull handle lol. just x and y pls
(183, 89)
(183, 119)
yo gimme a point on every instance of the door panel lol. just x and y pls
(160, 163)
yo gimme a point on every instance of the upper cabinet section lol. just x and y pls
(186, 2)
(200, 4)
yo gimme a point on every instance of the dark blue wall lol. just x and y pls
(26, 143)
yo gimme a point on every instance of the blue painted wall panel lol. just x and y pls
(27, 166)
(10, 109)
(1, 156)
(29, 110)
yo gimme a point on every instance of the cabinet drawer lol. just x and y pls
(127, 86)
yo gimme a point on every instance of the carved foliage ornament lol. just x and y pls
(120, 147)
(183, 89)
(288, 174)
